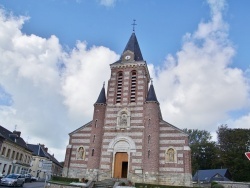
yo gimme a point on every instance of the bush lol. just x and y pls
(216, 185)
(123, 184)
(64, 179)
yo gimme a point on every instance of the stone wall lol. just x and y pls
(229, 184)
(56, 185)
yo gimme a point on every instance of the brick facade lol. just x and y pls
(130, 124)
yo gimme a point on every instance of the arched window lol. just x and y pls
(149, 137)
(94, 139)
(93, 152)
(148, 154)
(119, 87)
(170, 155)
(133, 87)
(95, 123)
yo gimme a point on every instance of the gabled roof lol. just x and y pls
(85, 125)
(102, 97)
(12, 137)
(54, 160)
(212, 174)
(134, 47)
(37, 150)
(174, 127)
(151, 97)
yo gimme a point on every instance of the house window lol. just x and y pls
(148, 154)
(93, 152)
(13, 155)
(119, 87)
(94, 139)
(149, 121)
(3, 151)
(133, 87)
(8, 153)
(17, 155)
(4, 166)
(21, 157)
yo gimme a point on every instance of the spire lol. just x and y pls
(133, 46)
(102, 96)
(151, 94)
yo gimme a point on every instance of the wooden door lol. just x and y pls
(121, 165)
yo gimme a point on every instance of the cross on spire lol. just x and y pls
(151, 79)
(134, 24)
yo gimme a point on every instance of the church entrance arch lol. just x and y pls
(121, 165)
(121, 147)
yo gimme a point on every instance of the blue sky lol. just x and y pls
(160, 28)
(197, 53)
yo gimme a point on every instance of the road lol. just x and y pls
(31, 185)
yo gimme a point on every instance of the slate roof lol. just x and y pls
(151, 97)
(37, 150)
(212, 175)
(52, 158)
(134, 47)
(8, 135)
(102, 97)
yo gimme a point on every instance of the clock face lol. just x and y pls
(127, 57)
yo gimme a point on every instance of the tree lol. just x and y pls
(233, 143)
(204, 152)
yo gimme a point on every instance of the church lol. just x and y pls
(127, 137)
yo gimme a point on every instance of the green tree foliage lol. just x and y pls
(204, 152)
(233, 143)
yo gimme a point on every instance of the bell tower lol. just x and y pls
(124, 122)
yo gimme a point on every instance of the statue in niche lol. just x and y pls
(170, 155)
(80, 153)
(124, 119)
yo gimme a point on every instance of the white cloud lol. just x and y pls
(42, 92)
(85, 72)
(197, 87)
(108, 3)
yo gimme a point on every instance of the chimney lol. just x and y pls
(13, 137)
(46, 150)
(18, 133)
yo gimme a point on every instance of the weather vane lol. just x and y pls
(134, 24)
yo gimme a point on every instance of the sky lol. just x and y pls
(55, 56)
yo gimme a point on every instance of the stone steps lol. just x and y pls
(108, 183)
